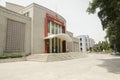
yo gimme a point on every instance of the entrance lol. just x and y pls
(56, 45)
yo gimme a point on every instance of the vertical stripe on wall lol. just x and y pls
(15, 36)
(46, 34)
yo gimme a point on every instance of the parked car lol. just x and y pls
(115, 53)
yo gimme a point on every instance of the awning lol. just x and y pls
(63, 36)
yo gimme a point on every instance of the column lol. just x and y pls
(54, 28)
(50, 27)
(61, 46)
(54, 45)
(50, 45)
(57, 45)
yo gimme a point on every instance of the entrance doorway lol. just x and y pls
(56, 45)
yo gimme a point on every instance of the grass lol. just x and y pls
(10, 55)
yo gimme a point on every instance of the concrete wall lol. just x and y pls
(3, 25)
(30, 9)
(7, 14)
(13, 7)
(74, 45)
(69, 33)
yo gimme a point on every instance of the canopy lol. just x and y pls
(62, 36)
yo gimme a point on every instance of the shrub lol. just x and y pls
(10, 55)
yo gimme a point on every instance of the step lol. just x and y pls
(55, 57)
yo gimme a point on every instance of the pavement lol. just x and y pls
(93, 67)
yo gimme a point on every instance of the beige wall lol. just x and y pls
(2, 32)
(7, 14)
(13, 7)
(69, 33)
(30, 9)
(74, 45)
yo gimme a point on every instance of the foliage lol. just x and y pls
(10, 55)
(102, 46)
(109, 14)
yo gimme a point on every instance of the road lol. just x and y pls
(93, 67)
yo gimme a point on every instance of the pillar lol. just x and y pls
(50, 27)
(54, 45)
(57, 45)
(50, 45)
(61, 46)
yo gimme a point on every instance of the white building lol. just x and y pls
(85, 43)
(92, 42)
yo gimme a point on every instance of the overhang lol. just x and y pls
(62, 36)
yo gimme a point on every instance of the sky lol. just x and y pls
(78, 20)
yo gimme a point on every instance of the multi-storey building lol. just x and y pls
(32, 29)
(85, 43)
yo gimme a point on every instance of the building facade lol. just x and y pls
(47, 29)
(15, 32)
(74, 45)
(85, 43)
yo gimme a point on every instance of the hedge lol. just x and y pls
(10, 55)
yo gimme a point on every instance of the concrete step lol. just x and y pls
(55, 56)
(37, 57)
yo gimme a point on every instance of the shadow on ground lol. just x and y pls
(112, 65)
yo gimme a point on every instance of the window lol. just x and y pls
(86, 44)
(55, 28)
(26, 14)
(58, 29)
(80, 39)
(48, 26)
(80, 44)
(81, 49)
(62, 29)
(52, 28)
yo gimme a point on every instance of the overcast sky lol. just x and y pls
(74, 11)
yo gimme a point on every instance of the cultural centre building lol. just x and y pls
(31, 29)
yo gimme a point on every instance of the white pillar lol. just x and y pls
(50, 45)
(58, 45)
(61, 45)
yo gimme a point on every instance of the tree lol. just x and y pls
(104, 45)
(109, 14)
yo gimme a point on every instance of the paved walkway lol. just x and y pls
(93, 67)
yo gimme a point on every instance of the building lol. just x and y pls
(74, 45)
(92, 42)
(85, 43)
(32, 29)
